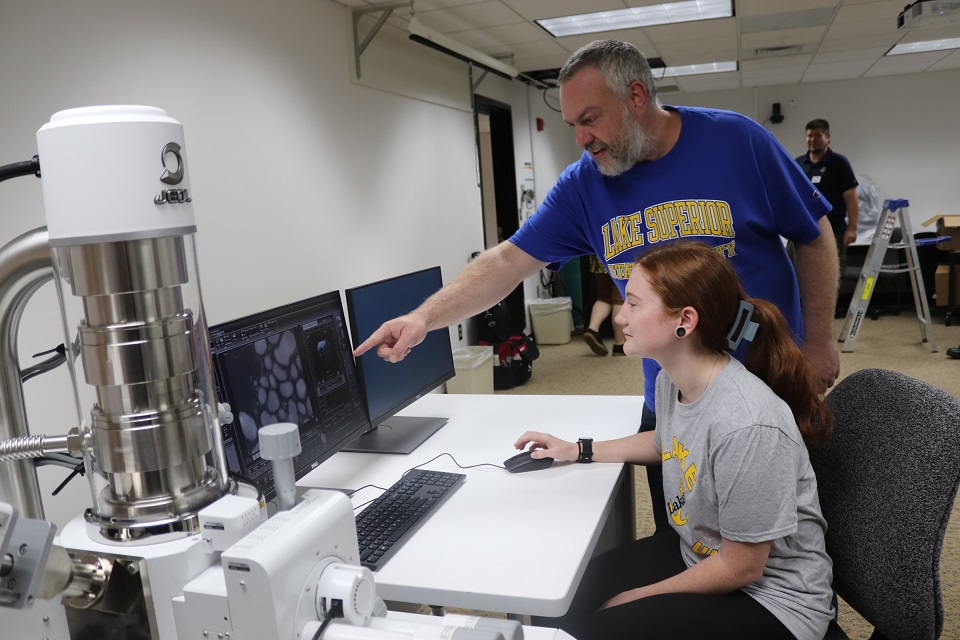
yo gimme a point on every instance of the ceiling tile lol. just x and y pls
(709, 50)
(871, 53)
(767, 80)
(825, 73)
(950, 62)
(884, 10)
(857, 29)
(774, 63)
(716, 28)
(748, 8)
(786, 20)
(471, 16)
(710, 82)
(864, 42)
(751, 42)
(498, 36)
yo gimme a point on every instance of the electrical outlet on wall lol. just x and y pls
(460, 331)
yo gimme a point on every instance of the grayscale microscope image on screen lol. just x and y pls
(289, 364)
(389, 387)
(265, 379)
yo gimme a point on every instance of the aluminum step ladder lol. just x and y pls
(893, 211)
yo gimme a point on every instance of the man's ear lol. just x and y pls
(637, 95)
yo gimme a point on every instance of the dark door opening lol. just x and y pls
(498, 185)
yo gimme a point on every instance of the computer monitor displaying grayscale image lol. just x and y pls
(293, 364)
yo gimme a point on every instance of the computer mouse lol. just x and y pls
(523, 462)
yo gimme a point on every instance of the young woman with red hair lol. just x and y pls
(744, 556)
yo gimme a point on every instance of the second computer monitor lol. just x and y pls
(389, 387)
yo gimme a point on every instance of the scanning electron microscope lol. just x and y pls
(171, 547)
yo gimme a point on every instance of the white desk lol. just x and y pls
(514, 543)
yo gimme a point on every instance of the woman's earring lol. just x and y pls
(681, 332)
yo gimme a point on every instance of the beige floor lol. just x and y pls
(892, 342)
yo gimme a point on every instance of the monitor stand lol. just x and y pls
(399, 434)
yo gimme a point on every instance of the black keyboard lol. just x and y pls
(391, 519)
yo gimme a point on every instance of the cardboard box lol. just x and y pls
(947, 225)
(942, 283)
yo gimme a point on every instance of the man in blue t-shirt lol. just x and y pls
(650, 174)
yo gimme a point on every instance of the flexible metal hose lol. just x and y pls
(31, 447)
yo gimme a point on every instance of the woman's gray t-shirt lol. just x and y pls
(735, 466)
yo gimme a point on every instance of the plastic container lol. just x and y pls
(474, 367)
(552, 320)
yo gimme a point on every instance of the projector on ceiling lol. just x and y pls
(929, 13)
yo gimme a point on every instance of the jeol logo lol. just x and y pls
(172, 175)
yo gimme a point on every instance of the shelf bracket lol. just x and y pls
(385, 12)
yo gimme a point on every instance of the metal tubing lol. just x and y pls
(32, 447)
(25, 266)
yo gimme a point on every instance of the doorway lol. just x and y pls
(498, 186)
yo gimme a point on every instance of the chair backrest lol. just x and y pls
(887, 480)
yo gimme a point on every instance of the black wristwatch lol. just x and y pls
(586, 450)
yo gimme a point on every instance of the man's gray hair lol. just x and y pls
(620, 64)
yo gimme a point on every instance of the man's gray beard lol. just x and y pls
(632, 147)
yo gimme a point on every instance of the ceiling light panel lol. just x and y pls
(670, 13)
(699, 69)
(925, 45)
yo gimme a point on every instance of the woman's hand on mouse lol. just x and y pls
(544, 445)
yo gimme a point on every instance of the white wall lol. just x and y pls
(304, 180)
(898, 130)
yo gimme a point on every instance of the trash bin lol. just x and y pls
(474, 367)
(552, 320)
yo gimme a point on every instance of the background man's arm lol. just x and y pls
(817, 268)
(853, 214)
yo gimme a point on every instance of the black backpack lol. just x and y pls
(515, 352)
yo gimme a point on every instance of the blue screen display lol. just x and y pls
(390, 387)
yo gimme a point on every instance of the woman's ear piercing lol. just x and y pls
(681, 332)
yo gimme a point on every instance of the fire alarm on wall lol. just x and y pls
(539, 124)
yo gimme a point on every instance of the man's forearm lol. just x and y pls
(484, 282)
(853, 207)
(817, 270)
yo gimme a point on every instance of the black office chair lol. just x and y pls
(887, 480)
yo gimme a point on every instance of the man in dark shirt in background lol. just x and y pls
(832, 175)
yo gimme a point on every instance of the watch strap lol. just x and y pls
(585, 446)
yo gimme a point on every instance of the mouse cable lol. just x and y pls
(469, 466)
